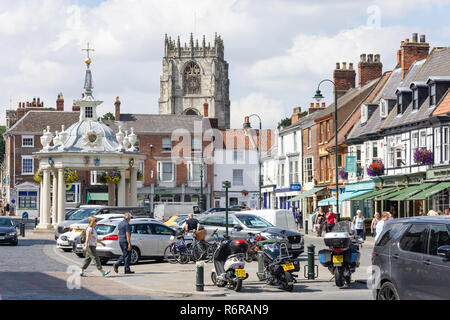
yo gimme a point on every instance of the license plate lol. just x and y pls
(288, 266)
(241, 273)
(296, 246)
(338, 259)
(78, 230)
(2, 238)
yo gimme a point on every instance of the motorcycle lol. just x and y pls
(278, 264)
(229, 264)
(342, 258)
(252, 251)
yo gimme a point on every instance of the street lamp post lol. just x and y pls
(318, 96)
(248, 126)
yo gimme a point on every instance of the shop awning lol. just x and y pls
(307, 193)
(350, 195)
(431, 191)
(327, 202)
(388, 195)
(96, 197)
(373, 194)
(407, 193)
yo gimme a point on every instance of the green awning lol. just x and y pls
(350, 195)
(96, 197)
(307, 193)
(327, 202)
(388, 195)
(373, 194)
(431, 191)
(408, 192)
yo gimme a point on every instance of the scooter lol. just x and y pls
(229, 264)
(342, 258)
(279, 266)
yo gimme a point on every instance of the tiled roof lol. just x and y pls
(36, 121)
(443, 106)
(437, 64)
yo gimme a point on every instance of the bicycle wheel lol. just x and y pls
(171, 255)
(210, 252)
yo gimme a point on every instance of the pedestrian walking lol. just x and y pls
(421, 213)
(125, 244)
(358, 222)
(320, 222)
(373, 226)
(446, 212)
(7, 208)
(379, 229)
(297, 217)
(90, 248)
(331, 219)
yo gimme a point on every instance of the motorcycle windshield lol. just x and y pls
(343, 226)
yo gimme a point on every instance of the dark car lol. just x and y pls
(412, 259)
(8, 232)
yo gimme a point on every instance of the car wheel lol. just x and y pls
(66, 250)
(388, 292)
(135, 255)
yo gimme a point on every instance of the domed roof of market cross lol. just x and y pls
(89, 134)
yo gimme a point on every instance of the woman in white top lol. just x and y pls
(90, 247)
(384, 217)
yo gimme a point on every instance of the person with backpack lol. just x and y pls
(320, 222)
(90, 239)
(358, 222)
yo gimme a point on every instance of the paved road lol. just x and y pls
(37, 270)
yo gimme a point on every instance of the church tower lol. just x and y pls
(194, 80)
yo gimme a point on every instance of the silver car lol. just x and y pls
(149, 239)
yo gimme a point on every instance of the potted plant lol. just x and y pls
(343, 175)
(38, 176)
(70, 176)
(112, 176)
(376, 169)
(140, 176)
(423, 156)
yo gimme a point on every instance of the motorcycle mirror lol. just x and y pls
(237, 227)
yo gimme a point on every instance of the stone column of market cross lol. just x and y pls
(111, 194)
(45, 214)
(61, 196)
(55, 200)
(121, 192)
(133, 187)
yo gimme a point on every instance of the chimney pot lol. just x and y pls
(117, 109)
(323, 104)
(344, 65)
(317, 105)
(205, 109)
(370, 58)
(350, 65)
(414, 37)
(377, 58)
(311, 105)
(363, 57)
(422, 38)
(338, 66)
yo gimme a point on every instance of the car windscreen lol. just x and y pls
(83, 213)
(6, 223)
(251, 221)
(180, 219)
(104, 229)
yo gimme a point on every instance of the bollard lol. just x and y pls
(22, 229)
(35, 222)
(338, 217)
(260, 273)
(311, 274)
(306, 226)
(200, 279)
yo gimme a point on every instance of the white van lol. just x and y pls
(280, 218)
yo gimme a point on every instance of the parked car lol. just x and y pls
(85, 211)
(149, 239)
(70, 211)
(280, 218)
(214, 210)
(239, 208)
(65, 240)
(176, 221)
(245, 223)
(8, 232)
(413, 258)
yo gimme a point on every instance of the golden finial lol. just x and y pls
(88, 59)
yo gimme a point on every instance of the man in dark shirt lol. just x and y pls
(125, 244)
(192, 224)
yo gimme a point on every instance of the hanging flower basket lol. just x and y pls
(423, 156)
(38, 176)
(376, 169)
(245, 192)
(70, 176)
(140, 176)
(101, 178)
(112, 176)
(343, 175)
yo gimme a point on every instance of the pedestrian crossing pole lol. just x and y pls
(226, 185)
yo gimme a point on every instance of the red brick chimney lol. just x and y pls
(411, 51)
(206, 109)
(117, 109)
(75, 107)
(344, 78)
(369, 68)
(20, 110)
(60, 102)
(296, 114)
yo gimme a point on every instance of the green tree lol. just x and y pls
(108, 116)
(284, 123)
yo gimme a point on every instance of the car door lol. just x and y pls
(161, 235)
(406, 261)
(435, 269)
(144, 235)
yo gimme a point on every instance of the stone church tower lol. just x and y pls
(195, 80)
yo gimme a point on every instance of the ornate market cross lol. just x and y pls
(88, 49)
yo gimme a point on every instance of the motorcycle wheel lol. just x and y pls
(288, 278)
(248, 257)
(338, 277)
(237, 285)
(348, 280)
(214, 278)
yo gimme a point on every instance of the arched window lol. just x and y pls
(191, 112)
(192, 78)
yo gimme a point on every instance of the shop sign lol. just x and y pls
(350, 164)
(296, 187)
(439, 173)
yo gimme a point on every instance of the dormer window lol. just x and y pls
(383, 108)
(399, 104)
(89, 112)
(416, 99)
(432, 95)
(364, 113)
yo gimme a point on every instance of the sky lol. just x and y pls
(278, 51)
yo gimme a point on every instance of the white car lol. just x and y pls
(65, 241)
(149, 239)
